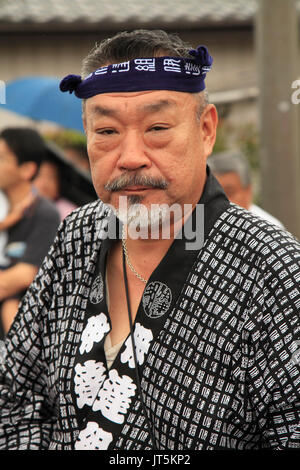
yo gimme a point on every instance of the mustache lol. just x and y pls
(126, 179)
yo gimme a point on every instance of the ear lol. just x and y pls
(83, 116)
(208, 124)
(28, 170)
(84, 122)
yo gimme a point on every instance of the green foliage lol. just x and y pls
(221, 140)
(248, 142)
(67, 138)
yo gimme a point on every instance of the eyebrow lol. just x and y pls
(102, 111)
(148, 108)
(155, 107)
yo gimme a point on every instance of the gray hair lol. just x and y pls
(140, 43)
(126, 46)
(230, 161)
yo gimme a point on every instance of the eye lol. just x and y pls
(158, 128)
(105, 131)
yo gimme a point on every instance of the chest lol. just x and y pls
(117, 303)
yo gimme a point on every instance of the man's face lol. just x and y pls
(152, 134)
(9, 167)
(234, 189)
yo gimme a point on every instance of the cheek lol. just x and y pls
(100, 150)
(185, 157)
(101, 167)
(10, 174)
(95, 156)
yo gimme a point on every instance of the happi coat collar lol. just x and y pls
(104, 397)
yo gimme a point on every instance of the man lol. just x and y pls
(48, 183)
(150, 341)
(31, 222)
(232, 170)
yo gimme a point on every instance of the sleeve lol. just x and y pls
(43, 230)
(274, 372)
(27, 412)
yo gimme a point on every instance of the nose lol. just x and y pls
(133, 155)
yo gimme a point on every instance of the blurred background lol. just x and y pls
(255, 49)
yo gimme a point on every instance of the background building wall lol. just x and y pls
(59, 54)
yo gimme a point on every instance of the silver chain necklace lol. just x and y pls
(128, 260)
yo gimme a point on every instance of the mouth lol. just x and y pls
(136, 189)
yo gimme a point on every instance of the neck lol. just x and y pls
(18, 193)
(146, 253)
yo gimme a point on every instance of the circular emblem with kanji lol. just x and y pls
(157, 299)
(96, 294)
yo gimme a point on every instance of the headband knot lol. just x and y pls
(70, 83)
(201, 56)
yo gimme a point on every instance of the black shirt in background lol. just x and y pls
(29, 239)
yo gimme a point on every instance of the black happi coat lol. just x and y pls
(217, 338)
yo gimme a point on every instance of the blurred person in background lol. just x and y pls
(232, 170)
(31, 222)
(78, 155)
(4, 208)
(48, 183)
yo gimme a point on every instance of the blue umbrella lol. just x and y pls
(40, 98)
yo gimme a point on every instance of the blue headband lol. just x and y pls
(158, 73)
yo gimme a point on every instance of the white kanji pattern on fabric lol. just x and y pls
(142, 339)
(93, 438)
(114, 398)
(222, 372)
(88, 379)
(94, 331)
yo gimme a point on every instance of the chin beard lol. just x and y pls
(155, 222)
(131, 210)
(137, 215)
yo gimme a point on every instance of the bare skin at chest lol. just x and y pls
(117, 295)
